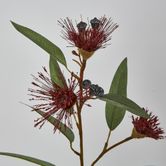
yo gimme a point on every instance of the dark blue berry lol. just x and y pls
(95, 23)
(81, 26)
(86, 84)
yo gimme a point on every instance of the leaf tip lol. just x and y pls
(13, 23)
(125, 59)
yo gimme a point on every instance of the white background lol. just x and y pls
(141, 37)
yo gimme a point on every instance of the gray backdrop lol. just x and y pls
(140, 37)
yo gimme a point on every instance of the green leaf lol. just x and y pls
(27, 158)
(125, 103)
(63, 128)
(114, 114)
(56, 73)
(42, 42)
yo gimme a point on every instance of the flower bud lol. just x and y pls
(81, 26)
(95, 23)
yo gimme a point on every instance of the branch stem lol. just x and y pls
(79, 109)
(81, 140)
(110, 148)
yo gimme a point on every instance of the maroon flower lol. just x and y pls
(147, 127)
(55, 99)
(88, 38)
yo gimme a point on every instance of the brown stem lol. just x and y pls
(81, 78)
(79, 108)
(73, 74)
(76, 121)
(81, 139)
(108, 149)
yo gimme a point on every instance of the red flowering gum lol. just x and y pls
(147, 127)
(88, 38)
(54, 99)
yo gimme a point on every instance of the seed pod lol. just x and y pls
(100, 92)
(95, 23)
(96, 90)
(81, 26)
(86, 84)
(93, 89)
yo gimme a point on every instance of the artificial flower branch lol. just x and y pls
(56, 99)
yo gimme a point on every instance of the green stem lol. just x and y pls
(77, 153)
(110, 148)
(106, 143)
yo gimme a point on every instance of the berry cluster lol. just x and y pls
(95, 90)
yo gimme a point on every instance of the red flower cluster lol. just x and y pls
(55, 99)
(88, 38)
(147, 127)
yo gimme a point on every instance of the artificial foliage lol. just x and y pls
(61, 100)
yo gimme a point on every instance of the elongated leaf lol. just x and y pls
(56, 73)
(114, 114)
(27, 158)
(63, 128)
(42, 42)
(125, 103)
